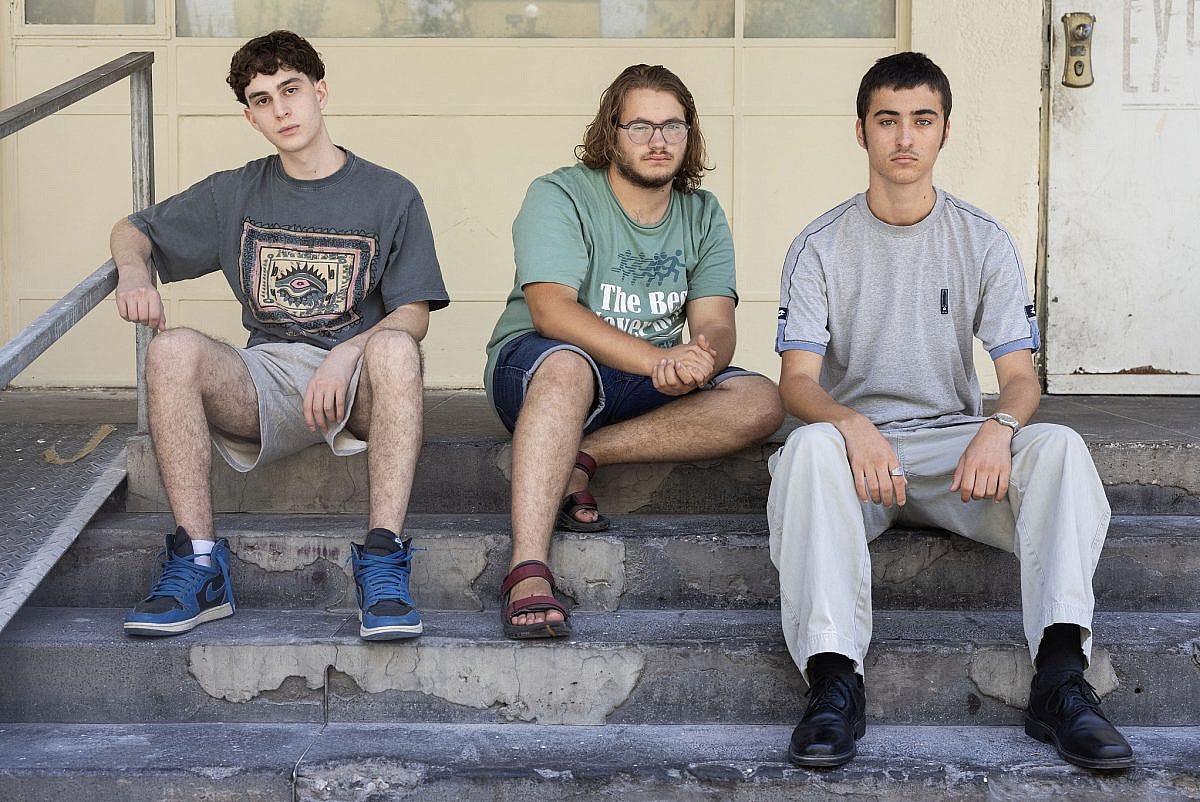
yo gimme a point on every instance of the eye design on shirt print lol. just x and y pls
(304, 288)
(311, 280)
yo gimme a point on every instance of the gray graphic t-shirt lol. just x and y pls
(310, 261)
(571, 230)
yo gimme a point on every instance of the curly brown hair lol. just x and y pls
(599, 146)
(266, 55)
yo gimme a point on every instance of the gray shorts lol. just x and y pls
(280, 372)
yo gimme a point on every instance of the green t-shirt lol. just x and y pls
(571, 230)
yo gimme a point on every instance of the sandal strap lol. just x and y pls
(529, 569)
(579, 500)
(585, 463)
(534, 604)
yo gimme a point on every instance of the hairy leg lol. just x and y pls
(544, 445)
(388, 413)
(736, 414)
(193, 382)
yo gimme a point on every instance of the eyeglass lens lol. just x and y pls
(641, 133)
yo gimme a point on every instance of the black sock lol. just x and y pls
(829, 663)
(381, 542)
(1060, 650)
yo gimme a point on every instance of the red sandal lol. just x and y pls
(581, 500)
(531, 569)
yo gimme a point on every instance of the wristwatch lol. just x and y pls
(1004, 419)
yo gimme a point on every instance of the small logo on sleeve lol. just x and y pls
(783, 313)
(1029, 311)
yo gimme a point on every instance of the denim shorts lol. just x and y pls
(619, 395)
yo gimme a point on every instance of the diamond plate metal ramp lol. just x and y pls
(47, 497)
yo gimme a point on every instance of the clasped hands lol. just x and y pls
(684, 367)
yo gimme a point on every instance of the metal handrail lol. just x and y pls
(34, 339)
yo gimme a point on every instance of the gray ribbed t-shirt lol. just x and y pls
(893, 309)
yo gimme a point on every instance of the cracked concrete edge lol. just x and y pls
(363, 780)
(456, 563)
(290, 552)
(239, 674)
(506, 763)
(594, 575)
(730, 764)
(1004, 674)
(539, 684)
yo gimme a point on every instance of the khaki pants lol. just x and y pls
(1054, 519)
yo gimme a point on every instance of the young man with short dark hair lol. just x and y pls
(881, 297)
(332, 260)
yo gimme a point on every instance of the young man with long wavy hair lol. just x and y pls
(588, 365)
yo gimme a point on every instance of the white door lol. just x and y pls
(1122, 291)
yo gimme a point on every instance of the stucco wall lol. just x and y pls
(992, 53)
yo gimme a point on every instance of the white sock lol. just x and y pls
(203, 548)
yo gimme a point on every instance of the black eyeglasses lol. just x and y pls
(641, 132)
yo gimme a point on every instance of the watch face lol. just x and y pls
(1007, 420)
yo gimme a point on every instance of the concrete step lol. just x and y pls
(150, 763)
(631, 667)
(1146, 450)
(641, 562)
(1139, 478)
(514, 763)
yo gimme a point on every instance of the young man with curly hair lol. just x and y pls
(332, 260)
(587, 365)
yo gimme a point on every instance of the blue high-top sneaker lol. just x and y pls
(381, 568)
(186, 594)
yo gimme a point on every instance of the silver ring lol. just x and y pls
(897, 471)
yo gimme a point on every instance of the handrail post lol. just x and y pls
(141, 122)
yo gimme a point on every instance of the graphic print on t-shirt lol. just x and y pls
(306, 279)
(660, 266)
(636, 305)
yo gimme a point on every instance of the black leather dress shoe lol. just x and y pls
(834, 719)
(1064, 710)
